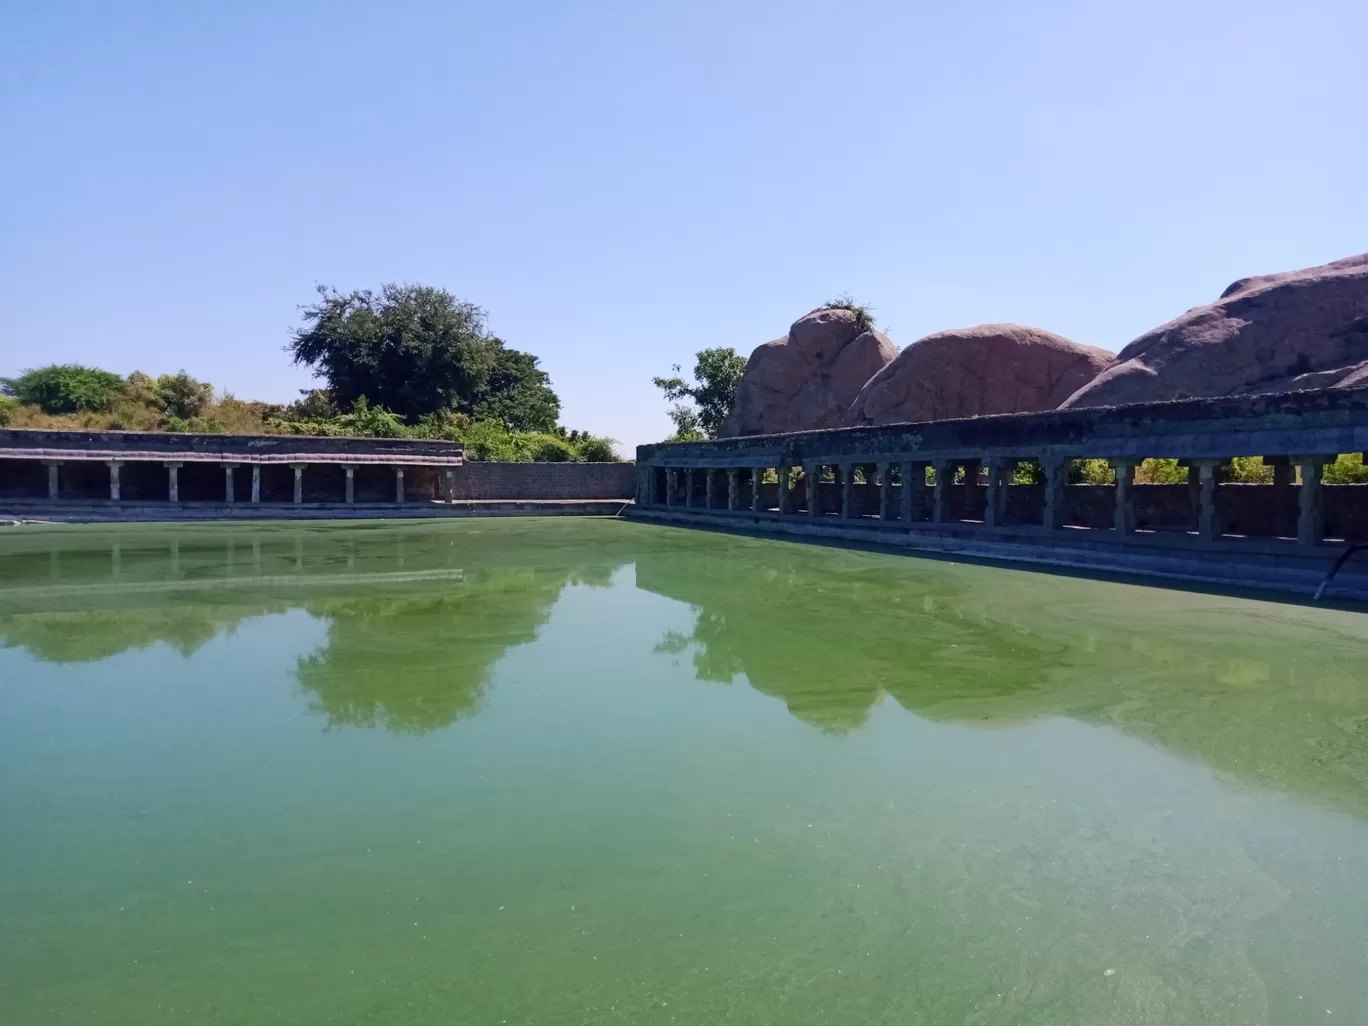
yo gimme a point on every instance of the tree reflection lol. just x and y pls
(416, 617)
(1270, 693)
(418, 663)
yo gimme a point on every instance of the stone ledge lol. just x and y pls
(76, 512)
(1257, 564)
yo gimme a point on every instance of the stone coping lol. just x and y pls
(226, 458)
(1289, 424)
(130, 446)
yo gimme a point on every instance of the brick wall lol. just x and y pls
(546, 481)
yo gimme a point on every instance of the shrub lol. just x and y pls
(63, 388)
(597, 450)
(549, 449)
(181, 396)
(8, 404)
(1091, 472)
(370, 421)
(864, 315)
(1347, 469)
(1160, 471)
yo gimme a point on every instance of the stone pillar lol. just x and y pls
(1207, 526)
(1123, 516)
(1310, 527)
(847, 491)
(999, 474)
(298, 482)
(256, 482)
(349, 488)
(1194, 487)
(812, 472)
(885, 490)
(940, 502)
(449, 485)
(757, 482)
(114, 466)
(907, 472)
(172, 481)
(398, 486)
(53, 490)
(228, 469)
(782, 473)
(709, 477)
(1284, 477)
(1056, 480)
(733, 489)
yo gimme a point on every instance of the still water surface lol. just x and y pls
(591, 772)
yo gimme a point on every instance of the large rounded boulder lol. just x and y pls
(1274, 333)
(807, 379)
(970, 372)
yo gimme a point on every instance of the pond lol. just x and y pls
(589, 771)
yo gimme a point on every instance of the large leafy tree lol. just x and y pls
(518, 393)
(700, 407)
(63, 388)
(418, 350)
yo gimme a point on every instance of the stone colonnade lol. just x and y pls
(230, 496)
(696, 488)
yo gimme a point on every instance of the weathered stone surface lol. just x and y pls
(808, 378)
(1274, 333)
(969, 372)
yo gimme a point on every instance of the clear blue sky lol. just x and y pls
(621, 184)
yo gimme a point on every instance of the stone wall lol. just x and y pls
(545, 481)
(146, 481)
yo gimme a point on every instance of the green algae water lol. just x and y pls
(594, 772)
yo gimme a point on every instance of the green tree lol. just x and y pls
(63, 388)
(518, 393)
(700, 408)
(181, 396)
(413, 349)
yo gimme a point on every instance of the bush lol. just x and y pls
(1096, 472)
(1347, 469)
(864, 315)
(370, 421)
(181, 396)
(8, 405)
(1160, 471)
(63, 388)
(597, 450)
(549, 449)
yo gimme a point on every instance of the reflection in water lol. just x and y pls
(1271, 693)
(414, 622)
(417, 616)
(1041, 841)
